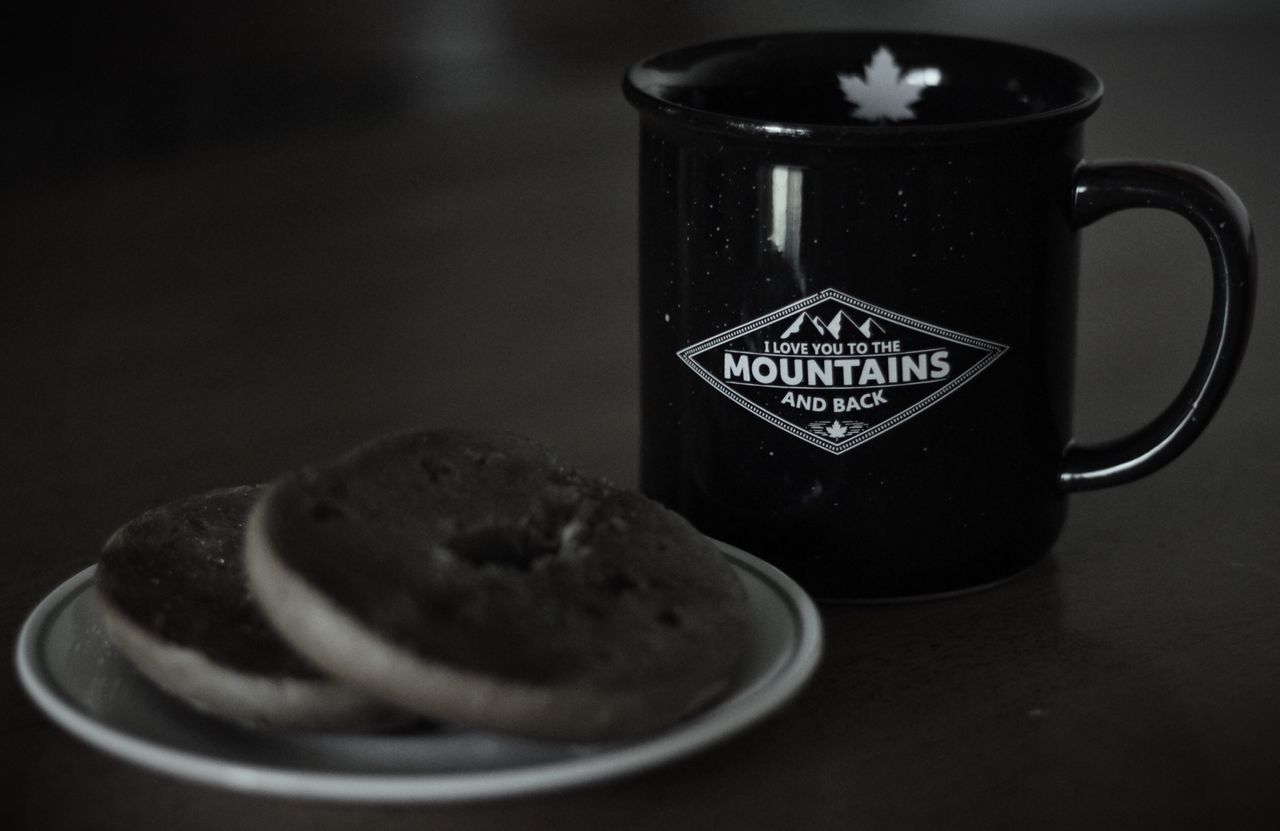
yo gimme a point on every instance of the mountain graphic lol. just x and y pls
(834, 327)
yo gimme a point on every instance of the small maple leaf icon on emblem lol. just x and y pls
(881, 93)
(836, 430)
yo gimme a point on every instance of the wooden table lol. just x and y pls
(204, 288)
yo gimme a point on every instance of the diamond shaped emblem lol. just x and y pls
(836, 371)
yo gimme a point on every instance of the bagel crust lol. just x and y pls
(478, 581)
(175, 601)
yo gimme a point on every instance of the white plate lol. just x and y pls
(72, 672)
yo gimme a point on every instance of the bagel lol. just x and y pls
(478, 581)
(174, 600)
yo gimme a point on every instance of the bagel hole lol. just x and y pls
(325, 511)
(504, 547)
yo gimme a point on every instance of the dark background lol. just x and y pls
(235, 237)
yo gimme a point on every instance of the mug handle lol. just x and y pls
(1101, 188)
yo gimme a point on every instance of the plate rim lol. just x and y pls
(703, 731)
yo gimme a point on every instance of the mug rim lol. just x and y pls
(640, 81)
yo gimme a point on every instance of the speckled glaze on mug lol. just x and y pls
(859, 257)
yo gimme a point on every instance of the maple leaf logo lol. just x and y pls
(836, 430)
(881, 93)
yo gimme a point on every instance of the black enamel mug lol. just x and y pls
(858, 269)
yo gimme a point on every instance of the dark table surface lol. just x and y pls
(236, 241)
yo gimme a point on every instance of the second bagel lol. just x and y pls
(476, 580)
